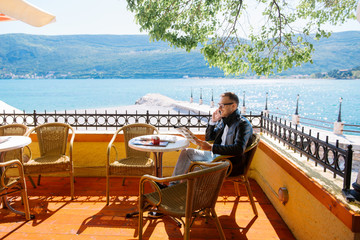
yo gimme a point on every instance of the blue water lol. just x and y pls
(319, 98)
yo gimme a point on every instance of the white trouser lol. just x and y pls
(189, 155)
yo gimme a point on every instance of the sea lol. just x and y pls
(318, 99)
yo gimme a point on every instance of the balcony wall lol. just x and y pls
(311, 212)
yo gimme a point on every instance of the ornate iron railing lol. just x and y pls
(330, 156)
(110, 121)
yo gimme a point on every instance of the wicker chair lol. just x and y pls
(196, 195)
(52, 139)
(14, 130)
(243, 178)
(136, 163)
(11, 185)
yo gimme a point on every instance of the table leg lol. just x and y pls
(158, 163)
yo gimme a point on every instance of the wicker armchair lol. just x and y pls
(14, 130)
(136, 163)
(243, 178)
(195, 196)
(11, 185)
(52, 139)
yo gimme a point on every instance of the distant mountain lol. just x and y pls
(133, 56)
(340, 51)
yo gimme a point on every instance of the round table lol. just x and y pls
(175, 143)
(8, 143)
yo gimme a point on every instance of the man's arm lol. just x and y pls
(211, 131)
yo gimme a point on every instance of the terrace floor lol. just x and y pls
(88, 217)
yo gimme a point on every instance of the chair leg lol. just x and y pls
(32, 181)
(123, 182)
(187, 228)
(141, 219)
(107, 190)
(39, 177)
(237, 189)
(218, 224)
(3, 201)
(25, 201)
(72, 180)
(251, 197)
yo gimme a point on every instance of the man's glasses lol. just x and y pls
(221, 105)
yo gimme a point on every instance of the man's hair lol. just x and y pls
(232, 96)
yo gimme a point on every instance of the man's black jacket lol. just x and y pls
(237, 139)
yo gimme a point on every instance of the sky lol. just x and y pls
(79, 17)
(96, 17)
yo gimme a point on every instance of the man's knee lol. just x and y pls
(186, 153)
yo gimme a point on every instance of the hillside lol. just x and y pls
(133, 56)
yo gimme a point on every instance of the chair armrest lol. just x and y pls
(224, 158)
(71, 142)
(111, 146)
(29, 156)
(7, 165)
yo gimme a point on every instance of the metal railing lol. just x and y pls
(321, 124)
(330, 156)
(111, 121)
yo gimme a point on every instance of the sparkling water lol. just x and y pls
(318, 98)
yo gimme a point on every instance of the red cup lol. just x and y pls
(155, 140)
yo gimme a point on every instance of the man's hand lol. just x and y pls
(203, 144)
(216, 116)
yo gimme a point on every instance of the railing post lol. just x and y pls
(212, 104)
(348, 168)
(351, 195)
(35, 119)
(191, 96)
(261, 122)
(147, 117)
(295, 117)
(14, 116)
(339, 125)
(266, 111)
(243, 108)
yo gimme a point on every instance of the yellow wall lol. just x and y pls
(90, 153)
(305, 215)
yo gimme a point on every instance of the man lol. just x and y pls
(230, 132)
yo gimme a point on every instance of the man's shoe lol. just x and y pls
(161, 186)
(155, 215)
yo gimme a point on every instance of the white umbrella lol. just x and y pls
(24, 11)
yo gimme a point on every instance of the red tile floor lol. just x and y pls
(88, 217)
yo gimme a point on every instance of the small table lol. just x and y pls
(8, 143)
(175, 143)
